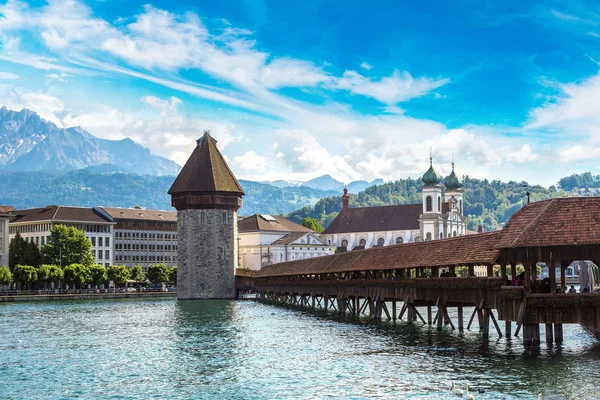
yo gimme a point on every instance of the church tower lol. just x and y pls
(207, 196)
(456, 223)
(430, 221)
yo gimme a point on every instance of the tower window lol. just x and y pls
(428, 236)
(439, 203)
(399, 240)
(362, 242)
(428, 205)
(344, 243)
(460, 205)
(380, 242)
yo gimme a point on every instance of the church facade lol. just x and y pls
(439, 216)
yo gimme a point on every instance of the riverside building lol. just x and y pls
(4, 235)
(268, 239)
(439, 216)
(34, 225)
(144, 237)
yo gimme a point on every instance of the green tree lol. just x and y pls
(173, 274)
(137, 274)
(68, 245)
(312, 224)
(119, 274)
(24, 274)
(6, 276)
(98, 275)
(76, 274)
(158, 273)
(49, 273)
(22, 252)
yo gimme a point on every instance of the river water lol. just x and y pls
(164, 349)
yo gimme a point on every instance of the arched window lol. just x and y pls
(428, 236)
(428, 206)
(417, 238)
(439, 203)
(399, 240)
(380, 242)
(454, 233)
(344, 243)
(362, 242)
(460, 206)
(441, 235)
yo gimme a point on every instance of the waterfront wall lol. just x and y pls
(87, 296)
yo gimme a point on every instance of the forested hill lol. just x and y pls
(486, 203)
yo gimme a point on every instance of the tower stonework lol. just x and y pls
(207, 196)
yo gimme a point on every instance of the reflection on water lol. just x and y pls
(140, 349)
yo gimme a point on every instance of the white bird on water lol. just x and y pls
(469, 396)
(456, 391)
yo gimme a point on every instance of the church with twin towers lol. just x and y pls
(207, 197)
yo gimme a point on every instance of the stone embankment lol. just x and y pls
(87, 296)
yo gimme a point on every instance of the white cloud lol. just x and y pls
(250, 162)
(161, 104)
(523, 155)
(392, 89)
(8, 76)
(366, 66)
(579, 153)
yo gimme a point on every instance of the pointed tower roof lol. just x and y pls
(205, 179)
(431, 177)
(452, 182)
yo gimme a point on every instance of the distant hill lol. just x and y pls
(359, 186)
(325, 182)
(486, 203)
(30, 143)
(85, 188)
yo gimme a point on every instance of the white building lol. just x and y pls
(143, 237)
(34, 225)
(439, 216)
(4, 236)
(269, 239)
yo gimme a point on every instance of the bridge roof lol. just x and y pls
(463, 250)
(557, 222)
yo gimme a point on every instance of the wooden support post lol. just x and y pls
(447, 319)
(564, 264)
(486, 322)
(513, 271)
(403, 310)
(440, 318)
(480, 318)
(471, 319)
(507, 329)
(371, 307)
(418, 314)
(490, 270)
(394, 310)
(495, 323)
(503, 272)
(527, 334)
(326, 301)
(471, 270)
(460, 318)
(385, 309)
(519, 326)
(411, 311)
(452, 270)
(552, 275)
(558, 333)
(536, 334)
(429, 315)
(312, 296)
(549, 334)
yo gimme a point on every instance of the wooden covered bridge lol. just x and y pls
(414, 279)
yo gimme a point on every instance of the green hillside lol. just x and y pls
(486, 203)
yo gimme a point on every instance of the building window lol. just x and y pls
(428, 206)
(399, 240)
(344, 243)
(93, 240)
(107, 242)
(454, 233)
(107, 254)
(439, 204)
(428, 236)
(100, 242)
(99, 254)
(460, 206)
(380, 242)
(441, 235)
(362, 242)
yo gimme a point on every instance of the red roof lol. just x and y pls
(206, 171)
(376, 219)
(264, 222)
(58, 213)
(462, 250)
(557, 222)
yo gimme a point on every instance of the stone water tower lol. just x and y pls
(207, 197)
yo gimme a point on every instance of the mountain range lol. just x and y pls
(30, 143)
(326, 183)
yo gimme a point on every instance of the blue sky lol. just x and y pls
(293, 90)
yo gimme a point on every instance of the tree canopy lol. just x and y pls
(49, 273)
(67, 245)
(76, 274)
(119, 274)
(22, 252)
(173, 274)
(6, 276)
(25, 274)
(312, 224)
(158, 273)
(136, 273)
(97, 274)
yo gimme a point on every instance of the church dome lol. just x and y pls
(431, 177)
(452, 182)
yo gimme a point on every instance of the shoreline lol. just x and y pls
(86, 296)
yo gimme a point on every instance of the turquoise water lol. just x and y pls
(163, 349)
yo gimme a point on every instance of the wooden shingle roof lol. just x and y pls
(462, 250)
(269, 223)
(558, 222)
(375, 219)
(206, 171)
